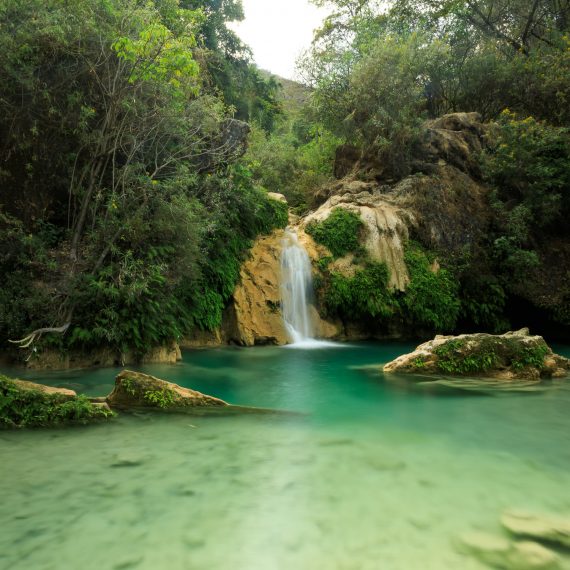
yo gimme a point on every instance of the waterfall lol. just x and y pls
(296, 294)
(296, 289)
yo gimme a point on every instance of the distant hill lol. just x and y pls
(293, 95)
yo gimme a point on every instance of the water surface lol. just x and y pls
(372, 474)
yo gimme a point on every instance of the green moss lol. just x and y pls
(32, 408)
(160, 398)
(452, 360)
(339, 232)
(364, 294)
(532, 356)
(431, 298)
(419, 362)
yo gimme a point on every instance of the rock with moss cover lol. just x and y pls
(27, 404)
(135, 390)
(511, 356)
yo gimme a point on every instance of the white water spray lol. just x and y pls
(296, 293)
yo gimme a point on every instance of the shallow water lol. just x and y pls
(373, 474)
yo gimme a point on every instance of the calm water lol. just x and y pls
(374, 474)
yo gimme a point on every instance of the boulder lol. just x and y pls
(507, 357)
(549, 528)
(27, 404)
(499, 552)
(135, 391)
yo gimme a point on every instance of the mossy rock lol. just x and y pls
(135, 390)
(513, 355)
(27, 404)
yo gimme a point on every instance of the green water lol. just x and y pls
(373, 474)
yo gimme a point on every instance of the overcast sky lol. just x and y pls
(277, 31)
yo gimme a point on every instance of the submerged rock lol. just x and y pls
(499, 552)
(549, 528)
(27, 404)
(135, 390)
(513, 355)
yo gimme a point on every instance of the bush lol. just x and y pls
(339, 232)
(32, 408)
(530, 167)
(432, 297)
(365, 295)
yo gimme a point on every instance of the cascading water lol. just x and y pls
(296, 293)
(296, 287)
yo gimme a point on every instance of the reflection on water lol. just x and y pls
(374, 475)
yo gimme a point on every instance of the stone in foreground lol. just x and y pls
(548, 528)
(135, 390)
(27, 404)
(498, 552)
(513, 355)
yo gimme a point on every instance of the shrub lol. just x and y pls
(366, 294)
(432, 297)
(32, 408)
(339, 232)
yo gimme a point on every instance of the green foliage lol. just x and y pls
(432, 297)
(160, 398)
(30, 408)
(454, 357)
(530, 165)
(138, 224)
(364, 295)
(530, 356)
(483, 301)
(339, 232)
(453, 360)
(291, 163)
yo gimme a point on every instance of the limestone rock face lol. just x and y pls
(385, 225)
(513, 355)
(254, 316)
(541, 527)
(442, 204)
(135, 390)
(49, 359)
(457, 138)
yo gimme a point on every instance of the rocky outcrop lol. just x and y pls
(254, 316)
(135, 390)
(548, 528)
(442, 205)
(50, 359)
(457, 139)
(27, 404)
(385, 224)
(510, 356)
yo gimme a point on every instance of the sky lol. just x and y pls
(277, 31)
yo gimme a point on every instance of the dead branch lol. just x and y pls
(35, 335)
